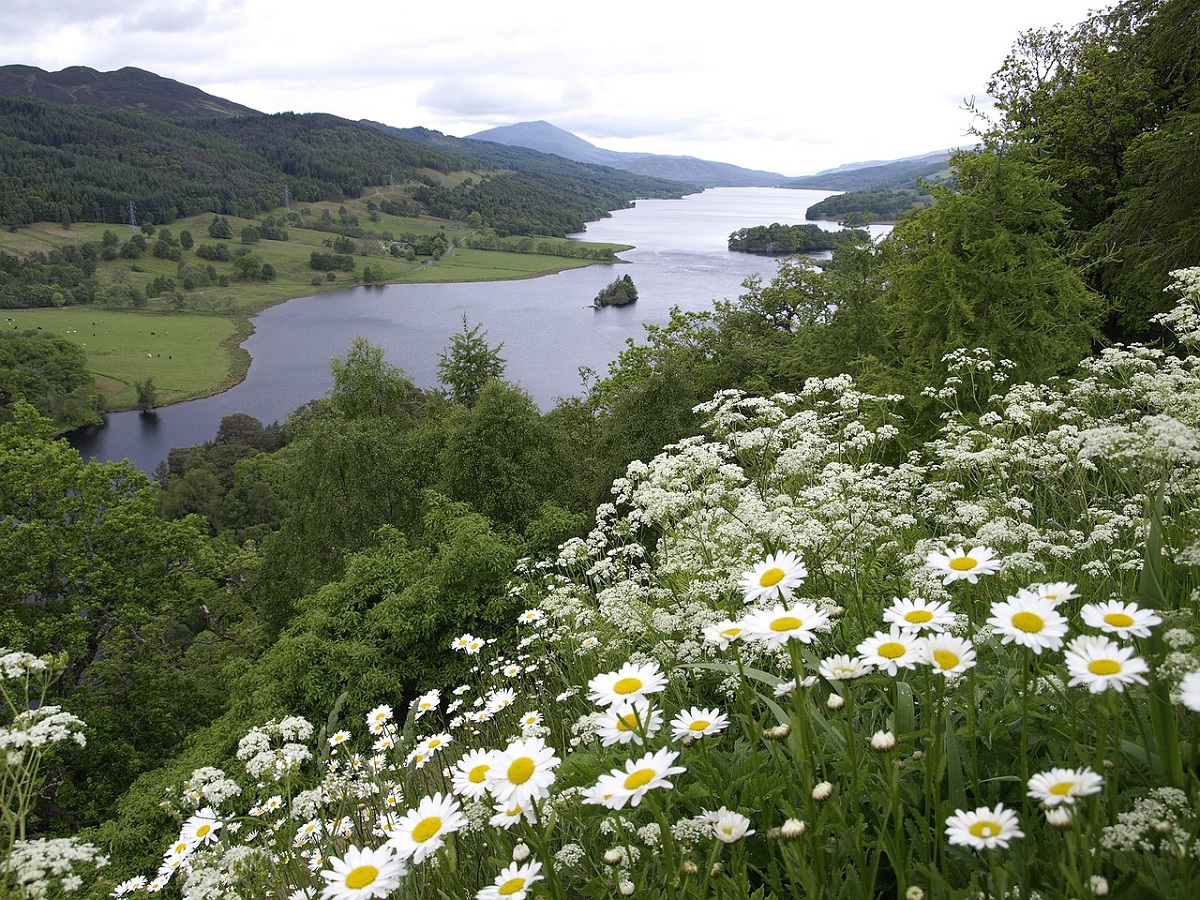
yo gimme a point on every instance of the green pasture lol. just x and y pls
(187, 354)
(464, 264)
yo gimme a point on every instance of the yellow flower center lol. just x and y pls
(1061, 789)
(627, 722)
(984, 829)
(771, 577)
(892, 650)
(1118, 620)
(638, 779)
(699, 724)
(731, 633)
(945, 659)
(628, 685)
(479, 773)
(203, 830)
(918, 616)
(434, 742)
(1030, 623)
(426, 829)
(785, 623)
(512, 886)
(361, 877)
(520, 770)
(1104, 667)
(963, 564)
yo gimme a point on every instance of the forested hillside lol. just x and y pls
(876, 581)
(83, 164)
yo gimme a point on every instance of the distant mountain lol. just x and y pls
(128, 88)
(877, 176)
(547, 138)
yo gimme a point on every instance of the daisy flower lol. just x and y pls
(136, 883)
(469, 775)
(1101, 664)
(729, 827)
(1122, 619)
(513, 882)
(1189, 690)
(509, 814)
(984, 828)
(774, 578)
(201, 828)
(774, 627)
(421, 831)
(1064, 785)
(697, 722)
(1056, 592)
(919, 615)
(618, 787)
(897, 649)
(843, 667)
(500, 699)
(949, 655)
(627, 722)
(1028, 621)
(378, 718)
(362, 874)
(531, 719)
(722, 633)
(959, 564)
(633, 681)
(462, 641)
(338, 737)
(523, 772)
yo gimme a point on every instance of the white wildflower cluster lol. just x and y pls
(45, 865)
(276, 749)
(208, 786)
(1162, 822)
(37, 728)
(19, 664)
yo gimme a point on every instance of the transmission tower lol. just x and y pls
(132, 216)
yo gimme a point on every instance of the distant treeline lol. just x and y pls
(783, 240)
(862, 207)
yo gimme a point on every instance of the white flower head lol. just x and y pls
(1028, 621)
(984, 828)
(958, 564)
(1125, 620)
(1058, 786)
(633, 681)
(1102, 664)
(773, 578)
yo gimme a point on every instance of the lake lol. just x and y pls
(547, 325)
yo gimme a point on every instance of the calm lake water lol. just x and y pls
(547, 325)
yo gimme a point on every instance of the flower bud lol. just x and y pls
(883, 741)
(822, 791)
(914, 892)
(792, 829)
(777, 733)
(835, 701)
(520, 852)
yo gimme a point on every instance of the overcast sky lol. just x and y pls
(792, 87)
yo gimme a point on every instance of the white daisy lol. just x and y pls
(984, 828)
(1101, 664)
(1028, 621)
(201, 828)
(469, 778)
(1057, 591)
(729, 827)
(919, 615)
(959, 564)
(1125, 620)
(619, 787)
(500, 699)
(897, 649)
(509, 814)
(338, 737)
(462, 641)
(363, 874)
(523, 772)
(774, 578)
(1064, 785)
(722, 633)
(633, 681)
(775, 626)
(513, 882)
(949, 655)
(843, 667)
(697, 722)
(378, 718)
(627, 723)
(1189, 690)
(421, 831)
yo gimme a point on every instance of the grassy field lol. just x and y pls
(194, 352)
(187, 354)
